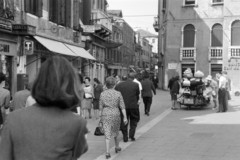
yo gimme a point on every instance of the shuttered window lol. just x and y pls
(34, 7)
(189, 36)
(217, 35)
(60, 12)
(235, 35)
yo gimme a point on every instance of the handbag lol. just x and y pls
(99, 130)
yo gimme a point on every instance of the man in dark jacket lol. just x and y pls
(147, 88)
(130, 93)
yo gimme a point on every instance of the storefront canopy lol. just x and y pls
(80, 52)
(63, 48)
(55, 46)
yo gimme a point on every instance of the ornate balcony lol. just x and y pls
(234, 52)
(188, 54)
(215, 53)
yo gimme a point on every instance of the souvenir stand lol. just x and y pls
(192, 90)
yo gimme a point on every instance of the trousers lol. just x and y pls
(147, 103)
(222, 100)
(133, 117)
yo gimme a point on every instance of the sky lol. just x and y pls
(137, 8)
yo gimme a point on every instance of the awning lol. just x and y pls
(80, 52)
(55, 46)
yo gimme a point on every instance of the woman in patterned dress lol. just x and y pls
(111, 102)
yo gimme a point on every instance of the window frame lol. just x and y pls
(217, 3)
(231, 32)
(190, 5)
(211, 34)
(195, 35)
(34, 7)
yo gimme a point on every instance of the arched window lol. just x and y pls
(235, 33)
(189, 36)
(217, 35)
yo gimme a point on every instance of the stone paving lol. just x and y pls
(187, 135)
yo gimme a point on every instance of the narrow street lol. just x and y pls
(177, 135)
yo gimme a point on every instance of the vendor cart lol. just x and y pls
(192, 96)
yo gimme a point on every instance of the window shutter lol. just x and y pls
(76, 14)
(39, 8)
(54, 10)
(68, 13)
(27, 6)
(217, 35)
(62, 12)
(81, 10)
(235, 33)
(188, 36)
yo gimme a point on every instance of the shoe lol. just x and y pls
(118, 149)
(147, 114)
(90, 117)
(125, 140)
(132, 138)
(108, 155)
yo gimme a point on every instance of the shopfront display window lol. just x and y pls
(6, 68)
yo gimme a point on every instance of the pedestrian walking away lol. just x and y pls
(4, 99)
(47, 129)
(20, 98)
(98, 88)
(147, 89)
(130, 93)
(111, 104)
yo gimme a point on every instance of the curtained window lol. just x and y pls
(235, 35)
(217, 35)
(34, 7)
(189, 36)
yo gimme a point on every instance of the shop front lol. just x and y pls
(8, 63)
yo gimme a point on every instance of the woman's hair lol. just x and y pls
(89, 79)
(110, 82)
(57, 84)
(2, 77)
(96, 80)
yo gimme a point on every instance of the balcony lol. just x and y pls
(156, 24)
(234, 52)
(215, 53)
(187, 54)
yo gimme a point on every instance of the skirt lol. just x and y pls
(86, 103)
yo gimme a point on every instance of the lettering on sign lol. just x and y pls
(4, 48)
(233, 65)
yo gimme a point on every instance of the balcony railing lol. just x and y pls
(187, 54)
(215, 53)
(234, 52)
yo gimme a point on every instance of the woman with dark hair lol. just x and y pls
(98, 88)
(48, 129)
(88, 98)
(111, 102)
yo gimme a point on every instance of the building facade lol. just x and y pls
(201, 35)
(36, 30)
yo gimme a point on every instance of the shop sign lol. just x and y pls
(4, 48)
(89, 28)
(5, 27)
(28, 47)
(22, 29)
(172, 65)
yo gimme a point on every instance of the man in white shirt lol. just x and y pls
(222, 93)
(140, 88)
